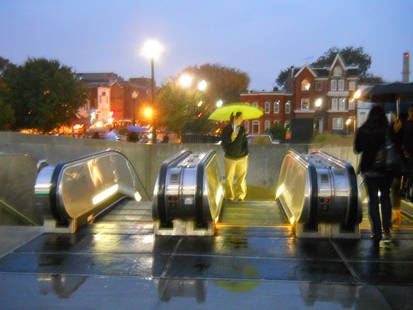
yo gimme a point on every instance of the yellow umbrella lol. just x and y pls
(224, 113)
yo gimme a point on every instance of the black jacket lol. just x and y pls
(369, 139)
(234, 149)
(407, 141)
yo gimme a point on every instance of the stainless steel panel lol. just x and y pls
(83, 185)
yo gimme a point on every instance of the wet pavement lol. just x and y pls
(253, 262)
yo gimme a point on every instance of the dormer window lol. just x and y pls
(337, 71)
(305, 85)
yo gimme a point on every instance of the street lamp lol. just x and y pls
(202, 85)
(152, 50)
(135, 95)
(219, 103)
(185, 80)
(318, 102)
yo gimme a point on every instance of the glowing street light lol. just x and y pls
(200, 103)
(152, 50)
(185, 80)
(318, 102)
(348, 121)
(357, 94)
(202, 85)
(219, 103)
(148, 112)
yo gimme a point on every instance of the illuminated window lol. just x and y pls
(305, 85)
(334, 104)
(305, 104)
(352, 85)
(342, 104)
(267, 107)
(333, 85)
(351, 104)
(267, 124)
(288, 107)
(338, 71)
(277, 106)
(341, 85)
(338, 123)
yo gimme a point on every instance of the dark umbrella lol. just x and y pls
(136, 129)
(389, 92)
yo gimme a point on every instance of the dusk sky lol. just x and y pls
(258, 37)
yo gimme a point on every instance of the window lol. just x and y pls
(351, 104)
(337, 71)
(333, 85)
(267, 107)
(334, 104)
(338, 123)
(305, 85)
(277, 106)
(305, 104)
(288, 107)
(318, 86)
(341, 85)
(342, 106)
(247, 126)
(352, 85)
(267, 124)
(255, 104)
(255, 127)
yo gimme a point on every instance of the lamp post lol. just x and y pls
(152, 50)
(319, 112)
(135, 95)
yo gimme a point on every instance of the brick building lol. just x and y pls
(111, 96)
(322, 94)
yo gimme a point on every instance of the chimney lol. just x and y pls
(406, 65)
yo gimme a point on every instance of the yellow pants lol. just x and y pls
(237, 168)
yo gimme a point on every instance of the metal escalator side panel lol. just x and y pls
(159, 198)
(213, 192)
(354, 214)
(199, 196)
(294, 187)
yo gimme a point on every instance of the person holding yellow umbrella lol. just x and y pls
(235, 145)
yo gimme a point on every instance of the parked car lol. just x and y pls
(261, 139)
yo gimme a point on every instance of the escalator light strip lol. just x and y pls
(105, 194)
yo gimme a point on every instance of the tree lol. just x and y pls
(43, 94)
(178, 109)
(6, 111)
(223, 82)
(277, 132)
(350, 55)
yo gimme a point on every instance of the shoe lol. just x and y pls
(375, 237)
(387, 234)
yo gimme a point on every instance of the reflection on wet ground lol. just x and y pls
(117, 263)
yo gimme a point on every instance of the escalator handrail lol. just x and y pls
(200, 172)
(171, 161)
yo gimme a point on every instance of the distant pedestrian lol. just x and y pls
(235, 144)
(369, 139)
(407, 146)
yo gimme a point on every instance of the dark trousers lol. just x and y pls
(374, 184)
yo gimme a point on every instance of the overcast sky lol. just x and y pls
(259, 37)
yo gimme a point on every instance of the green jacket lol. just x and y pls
(234, 149)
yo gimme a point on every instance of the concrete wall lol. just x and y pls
(264, 160)
(17, 177)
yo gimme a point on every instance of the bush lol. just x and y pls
(277, 132)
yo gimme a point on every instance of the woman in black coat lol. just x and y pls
(369, 139)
